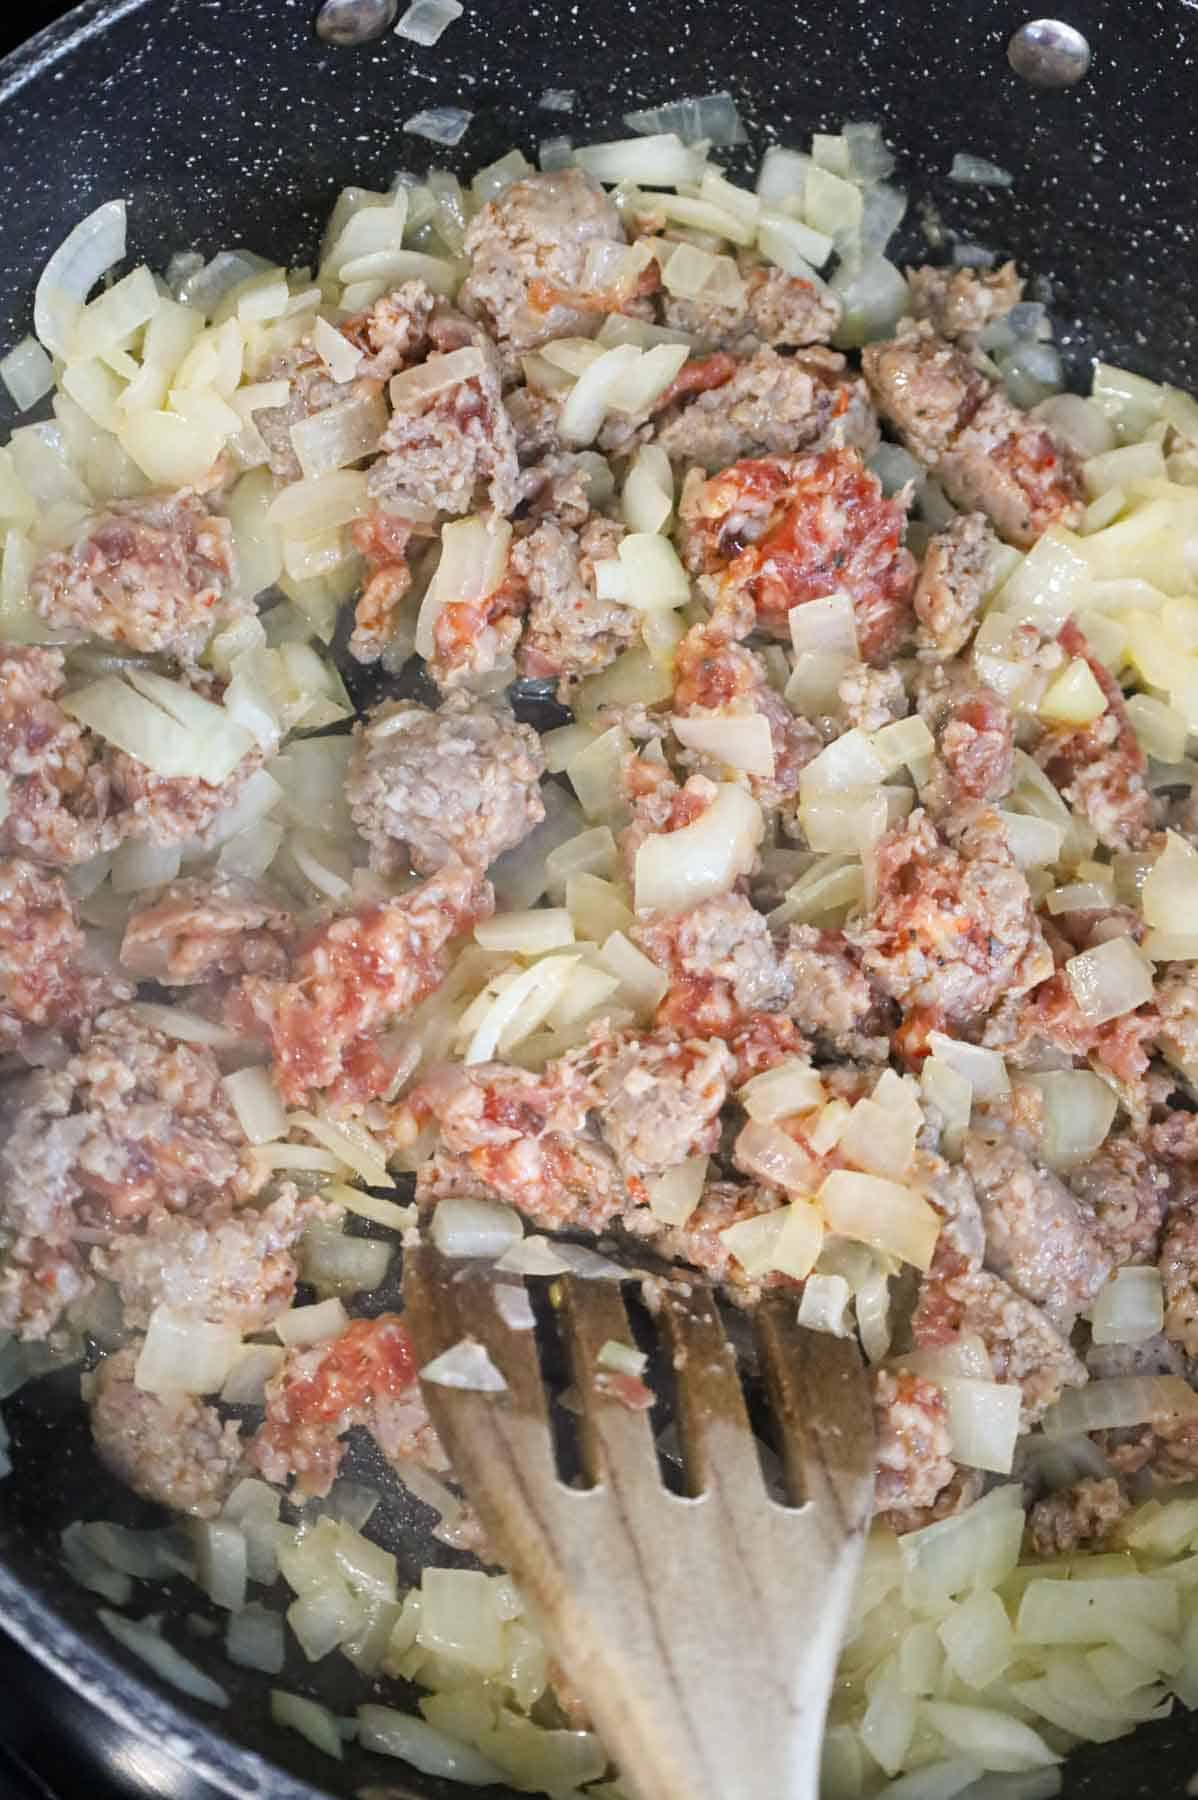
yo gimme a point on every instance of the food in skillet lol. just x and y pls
(842, 940)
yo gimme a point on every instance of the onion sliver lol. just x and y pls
(465, 1365)
(1121, 1401)
(145, 1640)
(81, 261)
(676, 870)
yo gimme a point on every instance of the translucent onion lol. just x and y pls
(654, 574)
(827, 625)
(185, 1355)
(741, 741)
(254, 1098)
(392, 1733)
(305, 1325)
(983, 1422)
(984, 1069)
(473, 563)
(1110, 980)
(791, 1086)
(660, 160)
(881, 1213)
(370, 1206)
(339, 435)
(779, 1162)
(465, 1365)
(1169, 895)
(1118, 1402)
(467, 1227)
(648, 495)
(678, 869)
(1078, 1110)
(587, 403)
(81, 261)
(527, 933)
(699, 119)
(880, 1139)
(445, 125)
(27, 373)
(825, 1305)
(519, 1008)
(426, 21)
(641, 980)
(1130, 1309)
(674, 1195)
(144, 1638)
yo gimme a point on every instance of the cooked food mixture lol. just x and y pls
(838, 936)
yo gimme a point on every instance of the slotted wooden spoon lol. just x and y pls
(701, 1632)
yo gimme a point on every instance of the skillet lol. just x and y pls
(230, 124)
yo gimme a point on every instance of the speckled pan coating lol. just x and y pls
(225, 121)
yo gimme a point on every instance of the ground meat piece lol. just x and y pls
(202, 927)
(447, 447)
(960, 303)
(774, 308)
(913, 1445)
(42, 1269)
(699, 1243)
(660, 1100)
(987, 454)
(394, 332)
(169, 1448)
(953, 583)
(458, 785)
(528, 251)
(47, 990)
(523, 1138)
(1024, 1345)
(975, 742)
(319, 1394)
(383, 539)
(1166, 1449)
(951, 930)
(1051, 1015)
(311, 390)
(154, 574)
(872, 698)
(723, 965)
(714, 678)
(167, 809)
(1179, 1275)
(535, 418)
(236, 1268)
(474, 637)
(830, 1001)
(60, 807)
(1175, 1003)
(350, 976)
(556, 487)
(1128, 1191)
(779, 531)
(1174, 1138)
(570, 631)
(771, 405)
(1040, 1237)
(1101, 769)
(1079, 1517)
(966, 1486)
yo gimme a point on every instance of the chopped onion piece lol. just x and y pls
(255, 1639)
(654, 575)
(81, 261)
(978, 1547)
(529, 933)
(753, 1241)
(644, 983)
(738, 740)
(1118, 1402)
(791, 1086)
(622, 1359)
(514, 1306)
(983, 1422)
(1110, 980)
(392, 1733)
(446, 125)
(589, 398)
(1075, 697)
(144, 1638)
(702, 118)
(254, 1098)
(305, 1325)
(1033, 843)
(657, 161)
(27, 373)
(678, 869)
(313, 1721)
(518, 1009)
(426, 21)
(768, 1152)
(369, 1206)
(474, 555)
(351, 1144)
(185, 1355)
(905, 742)
(994, 1739)
(975, 171)
(674, 1195)
(187, 1027)
(984, 1069)
(245, 1384)
(339, 435)
(794, 247)
(648, 495)
(1078, 1109)
(850, 761)
(825, 1305)
(828, 626)
(533, 1256)
(1130, 1309)
(880, 1139)
(466, 1227)
(465, 1365)
(220, 1562)
(1169, 895)
(881, 1213)
(307, 509)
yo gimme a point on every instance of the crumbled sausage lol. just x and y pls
(913, 1444)
(394, 333)
(461, 784)
(1129, 1193)
(42, 1267)
(1024, 1345)
(975, 741)
(698, 1242)
(447, 448)
(953, 583)
(1051, 1014)
(203, 927)
(528, 253)
(165, 809)
(1179, 1275)
(988, 455)
(349, 977)
(960, 303)
(155, 574)
(383, 539)
(723, 965)
(60, 806)
(660, 1100)
(1175, 1005)
(831, 1001)
(319, 1394)
(872, 698)
(714, 678)
(472, 638)
(47, 989)
(771, 405)
(951, 929)
(570, 632)
(779, 531)
(773, 308)
(169, 1448)
(229, 1267)
(1100, 768)
(311, 390)
(1040, 1237)
(1079, 1517)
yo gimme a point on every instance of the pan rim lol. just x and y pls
(60, 39)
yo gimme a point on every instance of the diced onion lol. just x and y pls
(426, 21)
(339, 435)
(1110, 980)
(255, 1639)
(313, 1721)
(791, 1086)
(753, 1241)
(207, 744)
(187, 1027)
(737, 740)
(825, 1305)
(392, 1733)
(979, 1546)
(996, 1740)
(1033, 843)
(473, 562)
(881, 1213)
(768, 1152)
(676, 870)
(27, 373)
(1078, 1109)
(1130, 1309)
(1075, 697)
(648, 495)
(245, 1384)
(827, 625)
(466, 1227)
(529, 933)
(880, 1139)
(145, 1640)
(307, 509)
(184, 1355)
(701, 118)
(513, 1306)
(674, 1195)
(655, 577)
(81, 261)
(975, 171)
(220, 1562)
(644, 983)
(660, 160)
(445, 125)
(254, 1098)
(1169, 895)
(983, 1422)
(849, 762)
(305, 1325)
(1118, 1402)
(589, 398)
(984, 1069)
(370, 1206)
(622, 1359)
(520, 1007)
(465, 1365)
(351, 1144)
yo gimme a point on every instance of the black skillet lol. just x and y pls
(227, 122)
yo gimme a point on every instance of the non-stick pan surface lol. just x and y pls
(225, 122)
